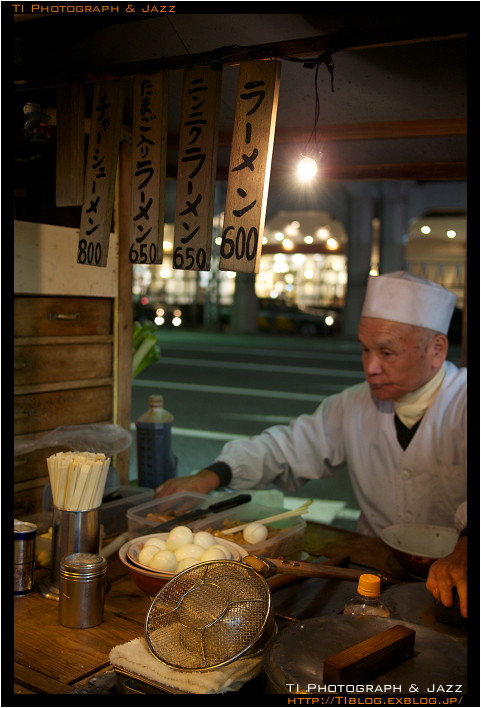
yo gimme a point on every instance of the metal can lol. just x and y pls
(23, 557)
(82, 590)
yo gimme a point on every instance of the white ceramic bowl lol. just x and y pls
(417, 546)
(150, 580)
(136, 545)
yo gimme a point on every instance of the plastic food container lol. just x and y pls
(113, 514)
(137, 517)
(287, 543)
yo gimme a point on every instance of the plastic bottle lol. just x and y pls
(367, 601)
(155, 461)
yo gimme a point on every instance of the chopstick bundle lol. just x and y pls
(78, 479)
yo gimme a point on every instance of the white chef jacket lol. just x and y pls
(425, 483)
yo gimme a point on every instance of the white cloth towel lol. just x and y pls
(136, 658)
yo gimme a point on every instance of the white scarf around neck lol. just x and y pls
(411, 407)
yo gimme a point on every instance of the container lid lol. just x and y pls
(24, 526)
(295, 655)
(369, 585)
(83, 563)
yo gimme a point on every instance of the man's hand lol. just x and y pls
(203, 482)
(450, 572)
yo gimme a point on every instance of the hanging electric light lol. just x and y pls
(308, 165)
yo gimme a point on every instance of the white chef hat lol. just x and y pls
(402, 297)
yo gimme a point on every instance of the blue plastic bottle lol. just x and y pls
(155, 461)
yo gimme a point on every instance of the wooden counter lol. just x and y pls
(50, 658)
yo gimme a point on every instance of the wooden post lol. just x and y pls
(124, 312)
(250, 164)
(99, 193)
(464, 329)
(70, 139)
(196, 171)
(149, 145)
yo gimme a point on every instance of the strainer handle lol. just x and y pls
(265, 566)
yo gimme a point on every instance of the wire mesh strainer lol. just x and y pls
(209, 615)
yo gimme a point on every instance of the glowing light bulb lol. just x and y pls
(306, 169)
(425, 230)
(451, 234)
(323, 233)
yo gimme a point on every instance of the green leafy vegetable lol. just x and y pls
(145, 349)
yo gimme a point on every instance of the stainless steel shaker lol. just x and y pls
(82, 582)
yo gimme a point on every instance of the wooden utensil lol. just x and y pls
(266, 566)
(282, 580)
(277, 517)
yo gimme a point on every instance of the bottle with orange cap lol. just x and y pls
(367, 601)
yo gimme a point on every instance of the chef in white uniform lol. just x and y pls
(401, 433)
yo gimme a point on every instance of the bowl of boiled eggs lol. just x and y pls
(154, 559)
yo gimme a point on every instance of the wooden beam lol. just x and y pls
(377, 130)
(380, 130)
(48, 74)
(417, 171)
(271, 248)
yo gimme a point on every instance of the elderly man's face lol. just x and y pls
(398, 358)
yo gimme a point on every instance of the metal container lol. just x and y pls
(82, 590)
(72, 532)
(25, 534)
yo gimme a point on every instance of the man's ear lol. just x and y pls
(440, 347)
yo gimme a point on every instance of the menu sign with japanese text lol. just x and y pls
(250, 164)
(149, 142)
(100, 173)
(196, 171)
(70, 140)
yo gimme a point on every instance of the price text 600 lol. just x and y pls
(242, 245)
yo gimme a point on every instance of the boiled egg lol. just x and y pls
(213, 554)
(255, 533)
(178, 536)
(147, 553)
(224, 549)
(155, 541)
(189, 550)
(204, 539)
(186, 563)
(164, 560)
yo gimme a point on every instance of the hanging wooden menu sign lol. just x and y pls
(196, 171)
(70, 140)
(102, 157)
(250, 165)
(149, 143)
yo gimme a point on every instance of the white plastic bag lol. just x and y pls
(93, 437)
